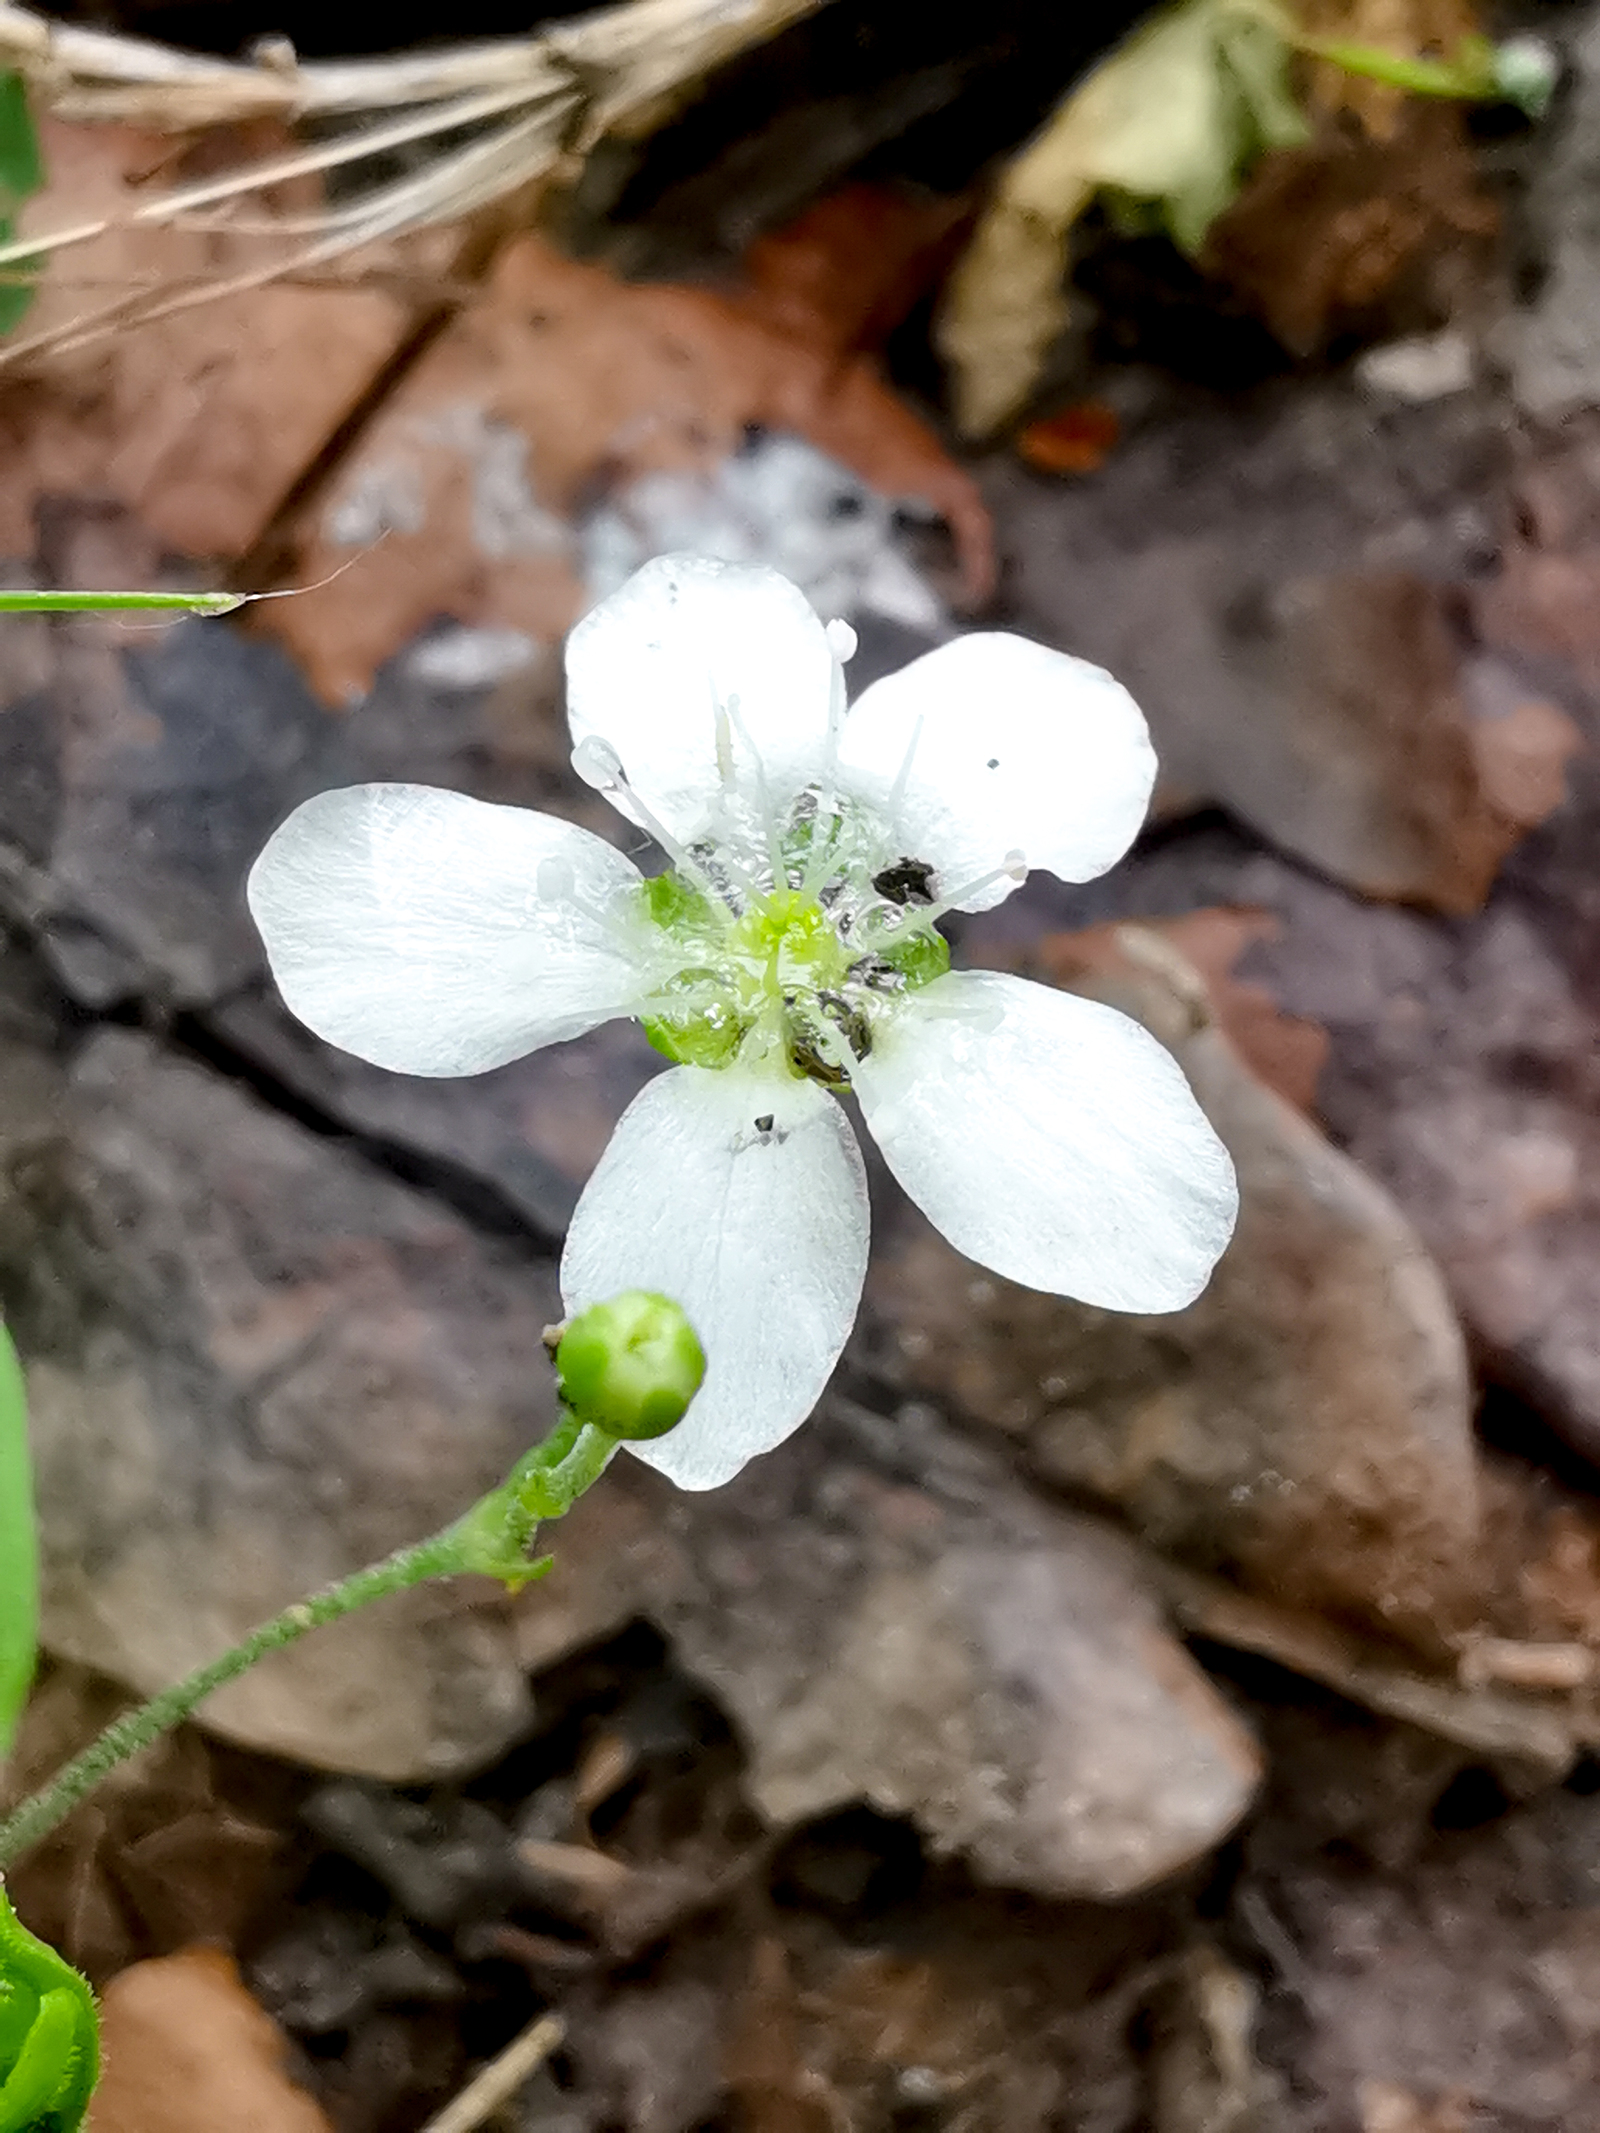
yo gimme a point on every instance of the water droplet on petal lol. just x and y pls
(597, 762)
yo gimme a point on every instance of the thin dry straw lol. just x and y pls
(562, 89)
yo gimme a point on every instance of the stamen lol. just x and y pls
(1014, 870)
(721, 720)
(902, 777)
(728, 715)
(831, 1041)
(600, 766)
(822, 861)
(838, 698)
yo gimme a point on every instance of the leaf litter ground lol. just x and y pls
(611, 1866)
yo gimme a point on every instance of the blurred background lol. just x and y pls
(1087, 1724)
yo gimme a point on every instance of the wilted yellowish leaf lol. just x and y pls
(1173, 117)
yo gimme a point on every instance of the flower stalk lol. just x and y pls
(642, 1340)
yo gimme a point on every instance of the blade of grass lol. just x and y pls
(83, 603)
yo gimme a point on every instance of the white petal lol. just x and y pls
(434, 934)
(649, 670)
(1052, 1139)
(759, 1231)
(1006, 746)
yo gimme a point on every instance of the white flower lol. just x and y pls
(791, 949)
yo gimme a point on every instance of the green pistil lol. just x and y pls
(707, 1030)
(790, 939)
(779, 967)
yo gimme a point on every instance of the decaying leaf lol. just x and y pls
(1386, 2107)
(187, 2050)
(1172, 119)
(161, 1855)
(1298, 678)
(562, 377)
(1076, 441)
(1285, 1052)
(1388, 226)
(956, 2032)
(200, 423)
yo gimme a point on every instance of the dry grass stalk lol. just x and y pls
(480, 121)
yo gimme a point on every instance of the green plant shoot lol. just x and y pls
(19, 1568)
(21, 175)
(49, 2034)
(89, 603)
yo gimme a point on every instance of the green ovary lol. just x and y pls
(779, 967)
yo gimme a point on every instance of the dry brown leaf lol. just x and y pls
(562, 375)
(1077, 441)
(187, 2050)
(160, 1855)
(199, 423)
(1544, 600)
(1171, 116)
(1322, 236)
(772, 2087)
(1522, 758)
(1561, 1586)
(1363, 752)
(1388, 2108)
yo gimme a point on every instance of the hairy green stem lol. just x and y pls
(126, 1736)
(492, 1539)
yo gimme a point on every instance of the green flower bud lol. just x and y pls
(630, 1366)
(49, 2035)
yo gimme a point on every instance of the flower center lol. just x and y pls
(796, 969)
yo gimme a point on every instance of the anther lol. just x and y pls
(902, 779)
(598, 763)
(1014, 870)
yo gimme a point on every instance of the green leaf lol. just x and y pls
(19, 1569)
(21, 170)
(49, 2034)
(21, 175)
(1172, 120)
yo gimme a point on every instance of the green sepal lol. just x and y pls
(919, 956)
(49, 2034)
